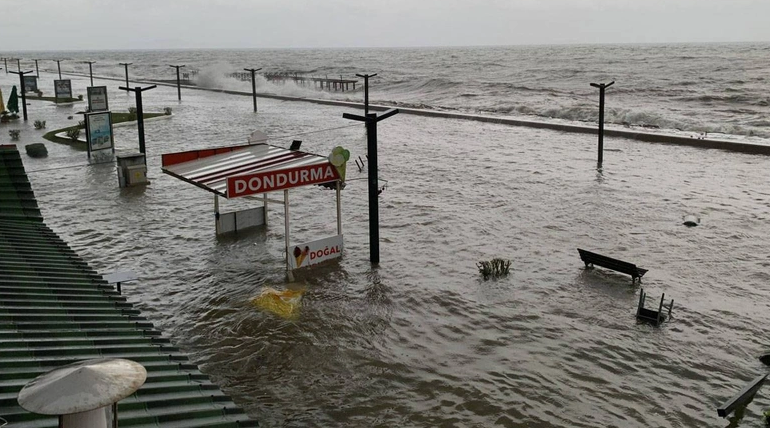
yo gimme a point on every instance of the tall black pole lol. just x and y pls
(366, 90)
(139, 113)
(602, 87)
(23, 96)
(253, 85)
(5, 60)
(374, 206)
(374, 210)
(58, 65)
(178, 81)
(37, 70)
(140, 118)
(90, 71)
(18, 64)
(126, 64)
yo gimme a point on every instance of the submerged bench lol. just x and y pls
(591, 259)
(651, 315)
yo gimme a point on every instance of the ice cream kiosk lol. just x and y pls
(254, 169)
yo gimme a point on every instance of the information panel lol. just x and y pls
(97, 98)
(62, 88)
(30, 84)
(99, 132)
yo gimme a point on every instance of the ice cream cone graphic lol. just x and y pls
(339, 158)
(298, 257)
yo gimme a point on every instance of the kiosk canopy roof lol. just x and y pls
(250, 169)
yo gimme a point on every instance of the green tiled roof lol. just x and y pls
(55, 310)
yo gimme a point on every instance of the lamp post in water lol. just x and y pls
(253, 85)
(602, 87)
(374, 210)
(90, 71)
(139, 112)
(126, 64)
(37, 70)
(58, 66)
(5, 61)
(178, 82)
(366, 90)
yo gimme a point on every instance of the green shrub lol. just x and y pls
(36, 150)
(495, 268)
(14, 133)
(39, 124)
(73, 133)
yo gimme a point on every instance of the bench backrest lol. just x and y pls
(609, 262)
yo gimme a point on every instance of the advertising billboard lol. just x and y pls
(99, 132)
(97, 98)
(30, 84)
(62, 88)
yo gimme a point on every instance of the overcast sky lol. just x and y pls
(162, 24)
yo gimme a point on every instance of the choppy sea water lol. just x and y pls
(422, 340)
(688, 89)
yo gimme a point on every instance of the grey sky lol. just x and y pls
(158, 24)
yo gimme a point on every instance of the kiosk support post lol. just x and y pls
(339, 209)
(286, 225)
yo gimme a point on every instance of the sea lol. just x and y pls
(422, 339)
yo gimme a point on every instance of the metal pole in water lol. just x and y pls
(178, 81)
(602, 87)
(366, 90)
(253, 85)
(90, 71)
(374, 212)
(139, 113)
(126, 64)
(58, 65)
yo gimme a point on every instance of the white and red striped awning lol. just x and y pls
(250, 169)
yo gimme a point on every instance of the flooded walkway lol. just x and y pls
(56, 310)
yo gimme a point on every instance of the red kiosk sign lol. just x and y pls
(270, 181)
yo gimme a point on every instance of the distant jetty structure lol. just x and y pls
(323, 83)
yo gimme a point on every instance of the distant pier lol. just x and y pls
(323, 83)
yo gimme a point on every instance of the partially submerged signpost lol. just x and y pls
(247, 170)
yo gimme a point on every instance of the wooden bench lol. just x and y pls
(591, 259)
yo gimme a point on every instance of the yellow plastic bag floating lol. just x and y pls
(284, 303)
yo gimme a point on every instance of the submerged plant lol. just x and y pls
(14, 133)
(39, 124)
(495, 268)
(73, 134)
(167, 111)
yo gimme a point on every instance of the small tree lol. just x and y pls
(13, 102)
